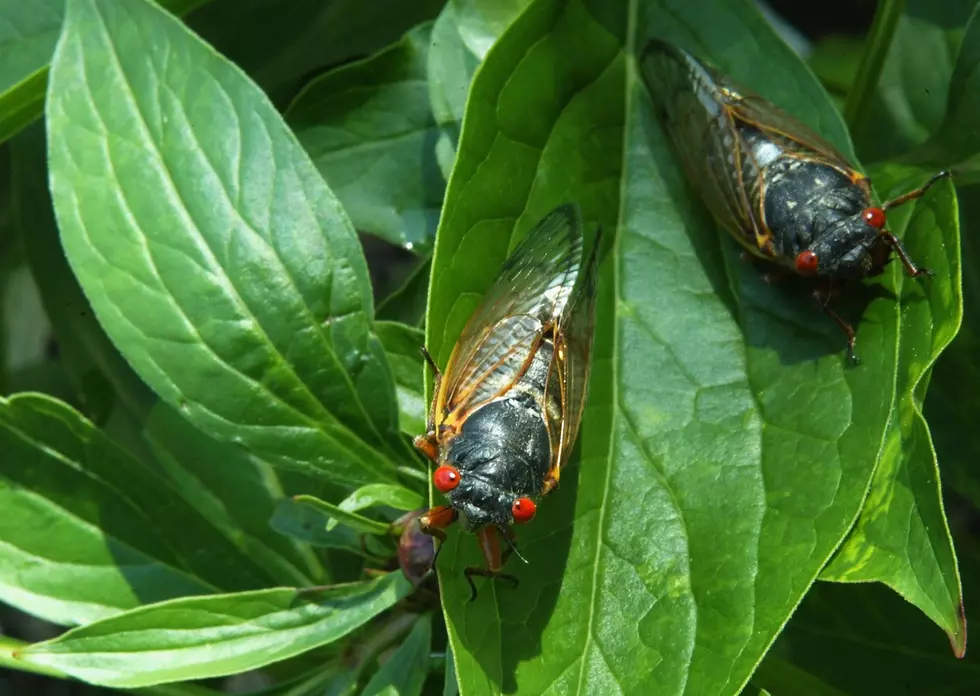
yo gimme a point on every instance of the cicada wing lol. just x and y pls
(573, 349)
(699, 121)
(789, 132)
(526, 299)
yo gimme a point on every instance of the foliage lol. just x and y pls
(210, 475)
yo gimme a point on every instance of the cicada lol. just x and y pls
(506, 410)
(786, 194)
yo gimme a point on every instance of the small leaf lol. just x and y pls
(88, 532)
(382, 494)
(405, 672)
(902, 538)
(356, 522)
(206, 637)
(403, 345)
(304, 523)
(370, 131)
(216, 258)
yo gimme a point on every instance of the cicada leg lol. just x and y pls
(490, 546)
(823, 296)
(428, 444)
(910, 267)
(436, 520)
(916, 193)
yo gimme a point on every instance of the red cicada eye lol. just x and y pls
(523, 510)
(806, 262)
(874, 217)
(446, 478)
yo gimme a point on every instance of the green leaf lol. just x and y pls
(382, 494)
(28, 33)
(358, 523)
(304, 523)
(215, 257)
(864, 639)
(404, 673)
(957, 135)
(726, 448)
(237, 493)
(901, 537)
(204, 637)
(407, 303)
(370, 131)
(280, 50)
(952, 405)
(903, 102)
(102, 378)
(402, 344)
(461, 37)
(88, 532)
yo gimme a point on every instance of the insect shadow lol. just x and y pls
(778, 313)
(525, 611)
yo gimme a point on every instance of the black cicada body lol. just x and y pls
(507, 409)
(787, 195)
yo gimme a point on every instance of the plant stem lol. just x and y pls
(877, 44)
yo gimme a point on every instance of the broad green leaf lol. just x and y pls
(280, 50)
(403, 345)
(28, 33)
(404, 673)
(215, 257)
(358, 523)
(204, 637)
(461, 37)
(237, 493)
(726, 448)
(901, 537)
(906, 102)
(102, 378)
(88, 532)
(370, 131)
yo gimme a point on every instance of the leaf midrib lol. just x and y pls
(131, 97)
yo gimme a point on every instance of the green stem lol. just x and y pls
(8, 646)
(878, 43)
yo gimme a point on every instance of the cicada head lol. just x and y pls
(852, 247)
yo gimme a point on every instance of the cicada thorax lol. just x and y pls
(800, 199)
(504, 449)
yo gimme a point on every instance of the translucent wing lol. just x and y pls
(573, 349)
(709, 119)
(526, 299)
(706, 141)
